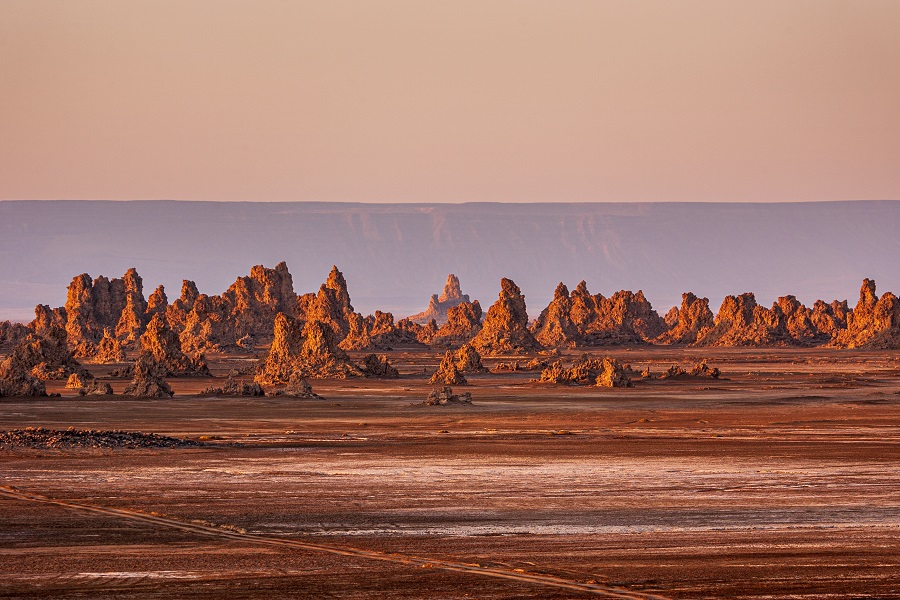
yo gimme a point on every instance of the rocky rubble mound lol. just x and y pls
(96, 388)
(447, 372)
(39, 438)
(439, 306)
(505, 328)
(874, 322)
(588, 371)
(307, 348)
(688, 323)
(378, 367)
(701, 370)
(149, 379)
(445, 395)
(232, 387)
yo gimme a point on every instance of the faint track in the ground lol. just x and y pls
(221, 533)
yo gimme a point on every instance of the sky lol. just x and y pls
(436, 101)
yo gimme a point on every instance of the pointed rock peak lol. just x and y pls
(133, 281)
(561, 292)
(581, 289)
(189, 291)
(336, 279)
(158, 300)
(509, 289)
(338, 284)
(867, 292)
(452, 290)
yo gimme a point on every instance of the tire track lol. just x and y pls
(228, 534)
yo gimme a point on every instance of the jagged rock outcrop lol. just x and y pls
(108, 350)
(77, 380)
(688, 323)
(505, 328)
(232, 387)
(19, 383)
(378, 367)
(133, 316)
(309, 349)
(96, 388)
(94, 306)
(149, 379)
(468, 360)
(331, 305)
(742, 322)
(612, 374)
(829, 319)
(798, 322)
(606, 372)
(447, 372)
(245, 312)
(582, 318)
(42, 357)
(158, 302)
(439, 306)
(463, 322)
(554, 327)
(162, 346)
(46, 318)
(13, 333)
(177, 312)
(445, 395)
(357, 337)
(378, 332)
(255, 300)
(208, 326)
(874, 322)
(623, 318)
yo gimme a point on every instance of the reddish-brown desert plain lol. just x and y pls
(780, 479)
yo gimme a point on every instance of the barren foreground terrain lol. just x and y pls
(780, 480)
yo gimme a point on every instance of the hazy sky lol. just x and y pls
(427, 101)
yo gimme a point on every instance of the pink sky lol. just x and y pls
(430, 101)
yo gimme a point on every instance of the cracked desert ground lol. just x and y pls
(780, 480)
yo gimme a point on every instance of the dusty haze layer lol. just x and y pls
(396, 256)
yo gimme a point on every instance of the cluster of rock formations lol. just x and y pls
(309, 335)
(439, 306)
(445, 395)
(606, 372)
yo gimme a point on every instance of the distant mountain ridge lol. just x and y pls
(396, 256)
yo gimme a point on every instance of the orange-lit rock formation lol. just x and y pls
(505, 328)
